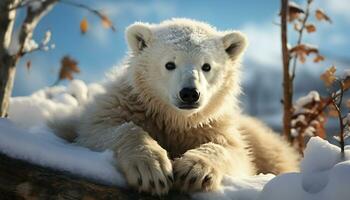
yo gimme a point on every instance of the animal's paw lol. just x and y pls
(150, 170)
(195, 173)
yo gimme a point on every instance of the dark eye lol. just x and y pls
(206, 67)
(170, 66)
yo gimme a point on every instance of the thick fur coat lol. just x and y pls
(160, 140)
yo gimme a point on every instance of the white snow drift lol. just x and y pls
(324, 174)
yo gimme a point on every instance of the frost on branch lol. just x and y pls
(294, 11)
(35, 5)
(308, 118)
(311, 111)
(30, 45)
(46, 38)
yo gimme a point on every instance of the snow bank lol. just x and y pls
(35, 109)
(324, 175)
(44, 148)
(247, 188)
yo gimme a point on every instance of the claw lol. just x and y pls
(183, 177)
(152, 184)
(192, 180)
(175, 174)
(207, 178)
(206, 181)
(161, 183)
(171, 178)
(139, 180)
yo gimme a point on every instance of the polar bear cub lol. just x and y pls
(170, 113)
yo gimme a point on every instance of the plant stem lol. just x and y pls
(340, 118)
(300, 37)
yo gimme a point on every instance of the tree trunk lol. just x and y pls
(7, 77)
(21, 180)
(287, 86)
(7, 62)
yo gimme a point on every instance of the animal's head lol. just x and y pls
(185, 63)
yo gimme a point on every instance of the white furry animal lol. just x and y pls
(171, 113)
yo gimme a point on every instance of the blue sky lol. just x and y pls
(100, 49)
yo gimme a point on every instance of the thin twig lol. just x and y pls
(94, 11)
(300, 37)
(340, 118)
(327, 103)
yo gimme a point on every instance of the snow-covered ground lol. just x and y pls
(324, 174)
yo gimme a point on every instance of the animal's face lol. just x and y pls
(184, 62)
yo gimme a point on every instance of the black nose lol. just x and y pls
(189, 95)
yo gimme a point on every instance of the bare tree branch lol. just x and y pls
(300, 37)
(336, 105)
(30, 22)
(94, 11)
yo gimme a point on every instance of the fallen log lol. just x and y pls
(22, 180)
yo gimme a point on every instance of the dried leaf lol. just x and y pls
(320, 15)
(294, 11)
(106, 22)
(310, 28)
(68, 67)
(346, 84)
(303, 50)
(84, 25)
(318, 58)
(332, 112)
(297, 26)
(328, 76)
(29, 65)
(319, 126)
(348, 103)
(302, 58)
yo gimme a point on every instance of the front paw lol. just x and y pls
(148, 171)
(195, 173)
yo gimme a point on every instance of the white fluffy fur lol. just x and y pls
(159, 146)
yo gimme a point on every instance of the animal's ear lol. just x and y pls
(138, 36)
(234, 43)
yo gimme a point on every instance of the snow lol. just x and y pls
(48, 102)
(247, 188)
(46, 38)
(313, 96)
(40, 146)
(324, 174)
(35, 5)
(294, 5)
(30, 45)
(346, 74)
